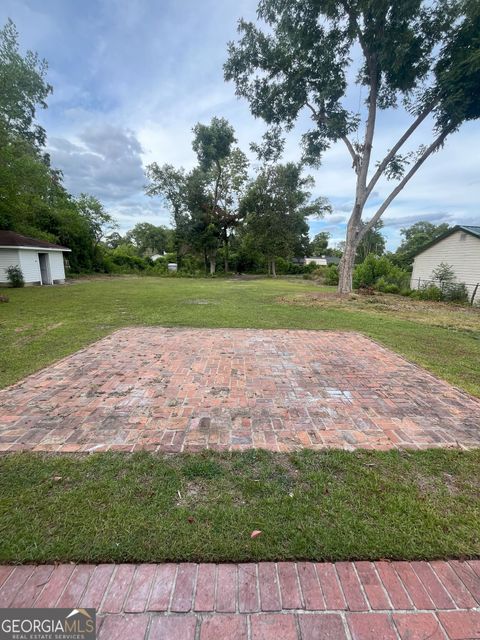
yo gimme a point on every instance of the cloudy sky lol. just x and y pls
(132, 77)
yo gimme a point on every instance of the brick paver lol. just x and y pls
(187, 389)
(146, 599)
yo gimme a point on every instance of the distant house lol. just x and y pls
(41, 262)
(460, 248)
(322, 261)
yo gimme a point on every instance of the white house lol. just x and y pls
(41, 262)
(460, 248)
(322, 261)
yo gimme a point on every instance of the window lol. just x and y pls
(463, 237)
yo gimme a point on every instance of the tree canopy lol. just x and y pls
(414, 238)
(276, 206)
(33, 200)
(415, 54)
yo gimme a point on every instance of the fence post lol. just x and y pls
(474, 293)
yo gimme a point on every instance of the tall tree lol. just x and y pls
(419, 54)
(276, 206)
(24, 87)
(33, 200)
(213, 145)
(319, 244)
(100, 222)
(171, 185)
(414, 238)
(233, 179)
(372, 242)
(148, 238)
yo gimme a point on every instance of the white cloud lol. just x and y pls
(131, 79)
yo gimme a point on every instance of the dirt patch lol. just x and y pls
(195, 491)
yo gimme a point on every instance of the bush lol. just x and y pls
(429, 292)
(124, 259)
(332, 275)
(286, 267)
(457, 292)
(379, 270)
(15, 276)
(391, 288)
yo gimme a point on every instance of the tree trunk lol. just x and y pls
(225, 251)
(274, 272)
(347, 263)
(212, 265)
(268, 267)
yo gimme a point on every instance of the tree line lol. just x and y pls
(33, 200)
(415, 55)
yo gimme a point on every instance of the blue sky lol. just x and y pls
(132, 77)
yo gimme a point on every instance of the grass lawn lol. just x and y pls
(42, 324)
(309, 505)
(327, 505)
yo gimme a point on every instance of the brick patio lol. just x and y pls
(187, 389)
(265, 601)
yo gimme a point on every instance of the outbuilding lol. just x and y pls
(41, 262)
(460, 248)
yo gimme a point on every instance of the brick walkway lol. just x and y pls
(266, 601)
(187, 389)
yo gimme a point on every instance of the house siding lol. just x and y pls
(27, 260)
(460, 250)
(57, 267)
(8, 258)
(30, 266)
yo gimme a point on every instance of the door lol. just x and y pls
(43, 259)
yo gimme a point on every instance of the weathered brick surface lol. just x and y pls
(418, 626)
(327, 626)
(188, 389)
(352, 589)
(266, 601)
(162, 587)
(371, 626)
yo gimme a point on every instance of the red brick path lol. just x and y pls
(187, 389)
(266, 601)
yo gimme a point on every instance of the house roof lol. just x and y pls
(472, 230)
(12, 239)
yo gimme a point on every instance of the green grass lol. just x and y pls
(327, 505)
(42, 324)
(310, 505)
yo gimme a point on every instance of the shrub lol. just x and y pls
(391, 288)
(331, 277)
(457, 292)
(444, 274)
(379, 269)
(286, 267)
(430, 292)
(124, 259)
(15, 276)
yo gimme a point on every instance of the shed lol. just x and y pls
(460, 248)
(41, 262)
